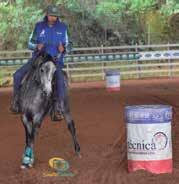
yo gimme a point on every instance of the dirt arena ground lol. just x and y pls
(99, 118)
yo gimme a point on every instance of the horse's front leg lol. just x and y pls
(28, 155)
(31, 128)
(70, 123)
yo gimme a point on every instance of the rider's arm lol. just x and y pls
(32, 43)
(67, 44)
(65, 40)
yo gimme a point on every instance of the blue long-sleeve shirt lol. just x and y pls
(51, 36)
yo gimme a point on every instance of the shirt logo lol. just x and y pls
(59, 32)
(42, 33)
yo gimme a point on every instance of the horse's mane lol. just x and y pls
(32, 77)
(40, 58)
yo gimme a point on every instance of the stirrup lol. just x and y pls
(56, 116)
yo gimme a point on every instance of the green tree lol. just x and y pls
(93, 22)
(17, 22)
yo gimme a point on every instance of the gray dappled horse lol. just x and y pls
(36, 100)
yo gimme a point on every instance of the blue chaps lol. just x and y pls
(21, 72)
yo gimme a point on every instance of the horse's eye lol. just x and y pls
(41, 70)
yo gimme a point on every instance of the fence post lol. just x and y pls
(138, 63)
(103, 64)
(170, 73)
(103, 70)
(68, 74)
(102, 50)
(31, 54)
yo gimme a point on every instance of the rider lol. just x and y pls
(49, 35)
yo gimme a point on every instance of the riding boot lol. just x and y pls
(56, 114)
(15, 105)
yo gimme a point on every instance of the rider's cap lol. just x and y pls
(53, 11)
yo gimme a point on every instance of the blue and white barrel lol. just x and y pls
(113, 80)
(149, 141)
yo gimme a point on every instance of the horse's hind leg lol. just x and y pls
(70, 123)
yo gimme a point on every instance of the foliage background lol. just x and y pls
(93, 22)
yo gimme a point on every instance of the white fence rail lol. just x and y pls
(138, 61)
(127, 70)
(102, 49)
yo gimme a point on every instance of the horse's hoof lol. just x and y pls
(26, 166)
(77, 148)
(28, 158)
(79, 155)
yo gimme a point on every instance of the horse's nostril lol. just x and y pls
(44, 93)
(47, 91)
(42, 70)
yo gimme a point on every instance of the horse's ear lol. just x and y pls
(45, 57)
(43, 53)
(48, 57)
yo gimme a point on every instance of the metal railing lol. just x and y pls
(136, 61)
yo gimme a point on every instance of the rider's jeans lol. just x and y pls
(19, 75)
(60, 83)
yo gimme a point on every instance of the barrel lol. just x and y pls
(112, 80)
(149, 144)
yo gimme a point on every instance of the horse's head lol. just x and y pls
(45, 76)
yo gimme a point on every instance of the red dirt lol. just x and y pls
(99, 118)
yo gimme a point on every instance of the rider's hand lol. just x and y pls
(40, 46)
(61, 48)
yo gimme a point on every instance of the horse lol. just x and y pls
(36, 98)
